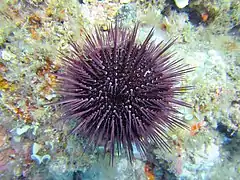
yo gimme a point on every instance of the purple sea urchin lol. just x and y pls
(120, 92)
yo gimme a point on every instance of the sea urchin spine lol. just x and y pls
(122, 93)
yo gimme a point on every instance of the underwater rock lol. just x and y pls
(222, 128)
(203, 160)
(81, 1)
(7, 55)
(162, 171)
(194, 17)
(49, 145)
(22, 130)
(127, 13)
(3, 136)
(138, 155)
(16, 139)
(226, 140)
(235, 31)
(77, 175)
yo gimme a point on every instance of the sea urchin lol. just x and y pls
(121, 93)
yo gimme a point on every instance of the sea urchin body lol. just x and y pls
(122, 93)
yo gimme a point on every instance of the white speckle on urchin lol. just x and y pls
(147, 72)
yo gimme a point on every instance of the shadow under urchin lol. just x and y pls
(122, 93)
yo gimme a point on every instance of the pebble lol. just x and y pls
(181, 3)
